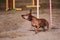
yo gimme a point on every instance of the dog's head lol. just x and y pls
(28, 16)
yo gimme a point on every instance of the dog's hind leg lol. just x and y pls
(44, 28)
(47, 25)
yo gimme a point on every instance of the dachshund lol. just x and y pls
(35, 22)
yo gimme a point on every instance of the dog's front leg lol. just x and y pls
(36, 30)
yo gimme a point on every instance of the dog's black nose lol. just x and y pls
(22, 15)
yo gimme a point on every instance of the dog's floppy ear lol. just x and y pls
(30, 11)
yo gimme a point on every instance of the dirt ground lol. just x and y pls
(14, 27)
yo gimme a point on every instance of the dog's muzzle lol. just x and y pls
(22, 15)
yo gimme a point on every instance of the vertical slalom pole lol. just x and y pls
(50, 13)
(37, 8)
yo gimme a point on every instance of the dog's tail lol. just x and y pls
(30, 11)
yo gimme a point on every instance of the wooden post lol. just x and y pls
(33, 3)
(6, 5)
(50, 13)
(13, 4)
(37, 8)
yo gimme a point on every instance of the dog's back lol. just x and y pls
(43, 23)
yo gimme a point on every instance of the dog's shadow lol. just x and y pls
(53, 28)
(38, 30)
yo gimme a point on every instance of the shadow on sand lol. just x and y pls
(55, 28)
(39, 30)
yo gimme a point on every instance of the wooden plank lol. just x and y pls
(14, 6)
(33, 4)
(18, 8)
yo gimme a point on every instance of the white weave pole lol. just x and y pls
(50, 13)
(37, 8)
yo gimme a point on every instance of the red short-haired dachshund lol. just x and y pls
(35, 22)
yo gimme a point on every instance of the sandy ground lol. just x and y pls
(14, 27)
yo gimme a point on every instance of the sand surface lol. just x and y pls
(14, 27)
